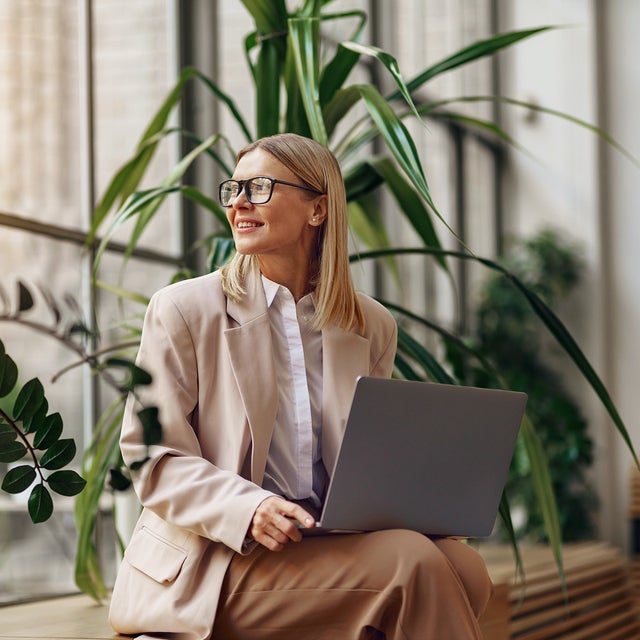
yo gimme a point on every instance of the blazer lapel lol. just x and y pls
(250, 352)
(345, 357)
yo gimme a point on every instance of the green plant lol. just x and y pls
(302, 85)
(27, 430)
(506, 330)
(29, 434)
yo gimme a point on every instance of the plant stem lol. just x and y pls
(85, 358)
(25, 441)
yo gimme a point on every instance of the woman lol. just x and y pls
(254, 368)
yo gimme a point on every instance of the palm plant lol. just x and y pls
(302, 85)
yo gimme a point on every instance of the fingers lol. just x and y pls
(274, 523)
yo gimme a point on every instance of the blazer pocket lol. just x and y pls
(155, 556)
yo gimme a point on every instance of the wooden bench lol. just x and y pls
(602, 602)
(75, 617)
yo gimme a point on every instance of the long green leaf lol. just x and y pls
(304, 40)
(103, 453)
(138, 201)
(475, 51)
(401, 145)
(228, 101)
(542, 486)
(361, 135)
(406, 370)
(548, 317)
(338, 107)
(267, 84)
(365, 218)
(447, 337)
(539, 467)
(122, 293)
(436, 106)
(226, 167)
(505, 515)
(391, 65)
(397, 137)
(221, 251)
(464, 56)
(269, 15)
(410, 204)
(128, 177)
(479, 123)
(337, 70)
(134, 203)
(118, 187)
(365, 222)
(157, 124)
(409, 345)
(146, 214)
(360, 180)
(296, 120)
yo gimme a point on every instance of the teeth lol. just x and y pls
(248, 225)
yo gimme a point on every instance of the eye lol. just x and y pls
(260, 186)
(229, 189)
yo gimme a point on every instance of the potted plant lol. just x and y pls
(302, 85)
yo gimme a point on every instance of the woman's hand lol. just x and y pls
(274, 523)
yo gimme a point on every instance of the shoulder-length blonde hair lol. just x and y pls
(335, 298)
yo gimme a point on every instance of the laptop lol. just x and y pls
(422, 456)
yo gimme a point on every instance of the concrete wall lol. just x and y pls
(619, 101)
(576, 183)
(41, 168)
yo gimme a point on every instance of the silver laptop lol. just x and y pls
(423, 456)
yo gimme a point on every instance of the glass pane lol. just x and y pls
(38, 559)
(122, 311)
(133, 73)
(39, 110)
(40, 156)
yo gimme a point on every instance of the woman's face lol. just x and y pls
(284, 226)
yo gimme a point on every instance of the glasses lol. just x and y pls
(258, 190)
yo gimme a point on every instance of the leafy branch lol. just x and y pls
(29, 431)
(29, 417)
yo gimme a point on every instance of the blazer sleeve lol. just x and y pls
(177, 482)
(382, 332)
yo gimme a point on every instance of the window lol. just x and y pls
(79, 82)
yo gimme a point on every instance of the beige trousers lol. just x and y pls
(398, 585)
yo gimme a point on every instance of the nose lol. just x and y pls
(241, 197)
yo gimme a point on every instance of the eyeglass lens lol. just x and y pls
(258, 190)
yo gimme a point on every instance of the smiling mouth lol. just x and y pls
(248, 225)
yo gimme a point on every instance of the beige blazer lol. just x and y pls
(214, 383)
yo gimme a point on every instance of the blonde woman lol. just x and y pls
(254, 368)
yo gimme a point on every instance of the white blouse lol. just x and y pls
(294, 464)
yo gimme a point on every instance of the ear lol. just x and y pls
(319, 213)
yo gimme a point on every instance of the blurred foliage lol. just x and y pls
(509, 333)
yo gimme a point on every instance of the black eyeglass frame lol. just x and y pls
(242, 187)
